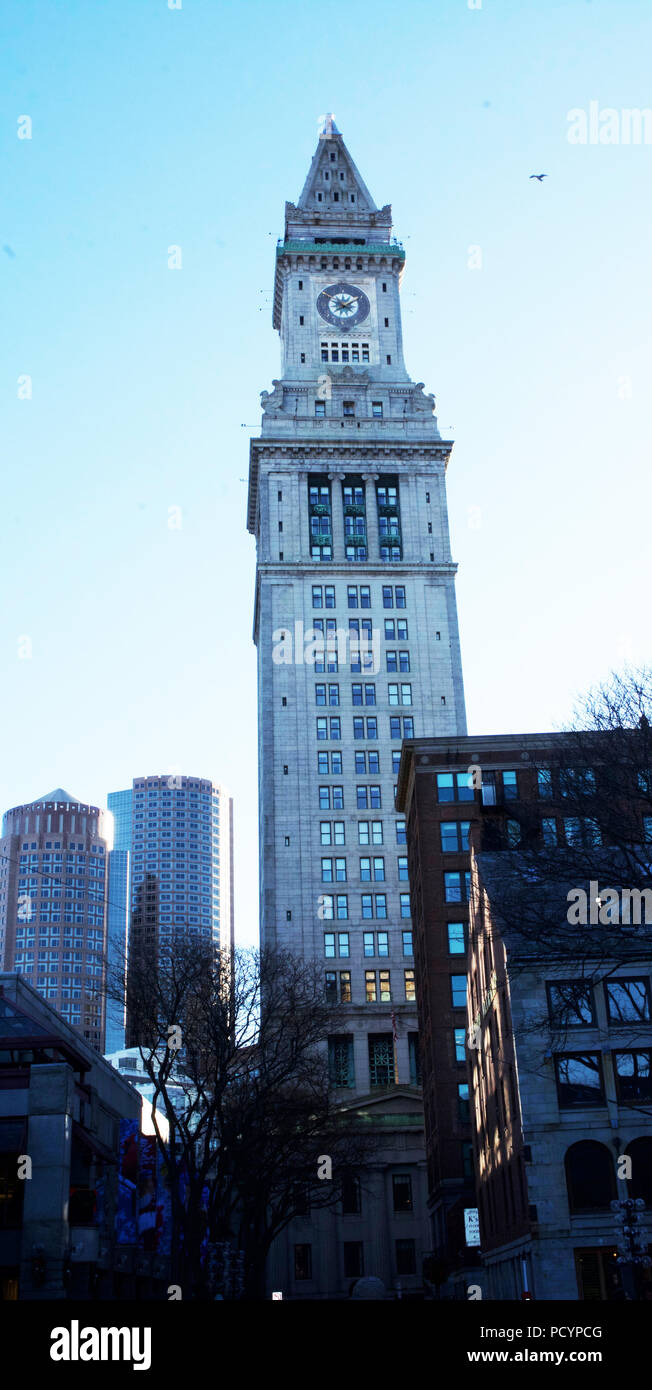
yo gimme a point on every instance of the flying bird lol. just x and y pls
(538, 176)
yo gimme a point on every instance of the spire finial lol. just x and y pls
(327, 126)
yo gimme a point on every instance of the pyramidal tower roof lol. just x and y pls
(335, 201)
(59, 795)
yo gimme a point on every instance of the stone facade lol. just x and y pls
(347, 501)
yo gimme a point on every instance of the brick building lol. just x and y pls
(496, 793)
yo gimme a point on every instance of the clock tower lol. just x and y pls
(355, 623)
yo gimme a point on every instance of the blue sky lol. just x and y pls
(154, 127)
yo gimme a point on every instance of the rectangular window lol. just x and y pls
(324, 798)
(544, 782)
(351, 1204)
(333, 694)
(404, 900)
(402, 868)
(381, 906)
(377, 409)
(407, 943)
(384, 984)
(322, 728)
(325, 832)
(382, 939)
(460, 1044)
(368, 943)
(579, 1080)
(340, 1059)
(388, 596)
(329, 945)
(320, 409)
(458, 991)
(628, 1001)
(303, 1262)
(454, 786)
(365, 596)
(317, 596)
(510, 786)
(410, 993)
(370, 986)
(570, 1003)
(456, 941)
(454, 836)
(400, 832)
(634, 1076)
(345, 987)
(402, 1192)
(549, 831)
(353, 1259)
(381, 1059)
(463, 1101)
(406, 1260)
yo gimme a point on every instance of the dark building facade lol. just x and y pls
(495, 794)
(61, 1110)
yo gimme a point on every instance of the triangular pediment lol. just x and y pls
(333, 172)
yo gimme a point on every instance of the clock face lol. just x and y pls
(343, 305)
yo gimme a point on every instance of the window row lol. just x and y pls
(335, 906)
(381, 1058)
(329, 728)
(369, 833)
(377, 987)
(580, 1078)
(371, 869)
(571, 1003)
(353, 1266)
(363, 694)
(374, 943)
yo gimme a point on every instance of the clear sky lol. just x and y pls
(155, 127)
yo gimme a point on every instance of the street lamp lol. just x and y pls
(632, 1246)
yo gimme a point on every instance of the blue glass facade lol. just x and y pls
(120, 806)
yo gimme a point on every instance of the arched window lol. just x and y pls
(590, 1176)
(640, 1183)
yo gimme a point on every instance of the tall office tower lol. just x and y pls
(347, 501)
(120, 806)
(181, 869)
(53, 904)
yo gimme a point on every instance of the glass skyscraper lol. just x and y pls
(173, 865)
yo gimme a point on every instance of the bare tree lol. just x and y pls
(235, 1047)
